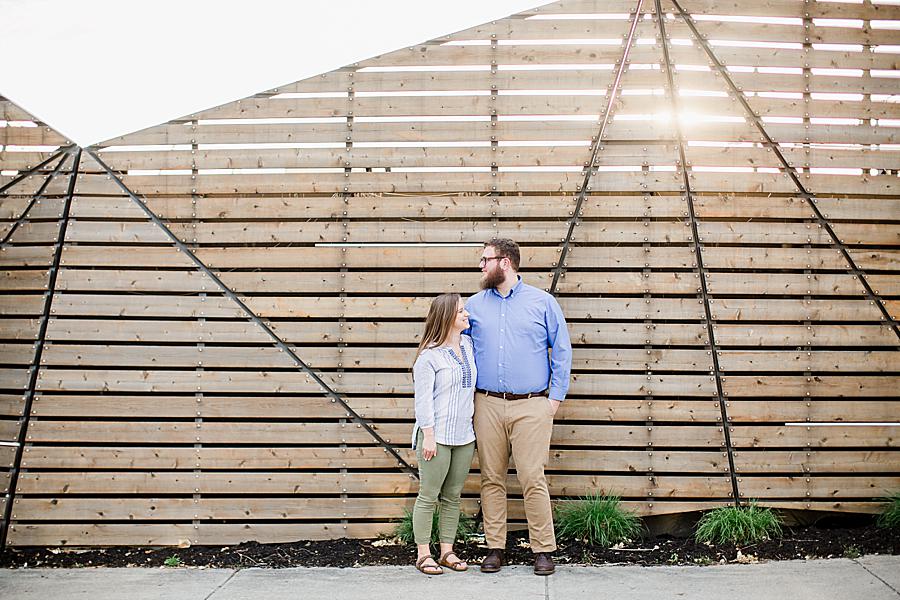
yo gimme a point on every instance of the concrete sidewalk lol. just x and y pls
(866, 578)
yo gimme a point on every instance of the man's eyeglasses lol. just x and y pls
(484, 259)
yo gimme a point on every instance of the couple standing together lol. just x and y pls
(494, 368)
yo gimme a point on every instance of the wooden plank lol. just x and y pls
(785, 8)
(231, 458)
(19, 329)
(802, 335)
(772, 258)
(749, 56)
(816, 386)
(453, 257)
(871, 487)
(374, 308)
(360, 107)
(821, 361)
(851, 184)
(26, 256)
(868, 233)
(718, 206)
(835, 411)
(755, 232)
(9, 430)
(334, 483)
(782, 82)
(884, 209)
(18, 354)
(179, 381)
(836, 436)
(287, 458)
(885, 284)
(772, 309)
(36, 233)
(328, 357)
(876, 259)
(31, 136)
(769, 32)
(14, 379)
(814, 461)
(312, 232)
(23, 280)
(177, 535)
(264, 432)
(409, 182)
(394, 407)
(71, 330)
(270, 381)
(374, 282)
(784, 284)
(174, 509)
(741, 183)
(11, 405)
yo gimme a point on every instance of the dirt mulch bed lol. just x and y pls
(797, 543)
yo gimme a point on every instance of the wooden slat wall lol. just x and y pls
(336, 207)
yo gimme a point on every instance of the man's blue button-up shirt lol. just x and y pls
(512, 335)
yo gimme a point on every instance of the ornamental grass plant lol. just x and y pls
(890, 516)
(598, 519)
(404, 529)
(738, 525)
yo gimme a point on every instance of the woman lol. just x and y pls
(444, 439)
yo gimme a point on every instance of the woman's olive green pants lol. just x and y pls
(442, 478)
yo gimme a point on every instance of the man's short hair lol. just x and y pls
(506, 247)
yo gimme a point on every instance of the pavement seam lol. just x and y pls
(546, 588)
(221, 585)
(877, 577)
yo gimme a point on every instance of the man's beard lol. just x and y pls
(492, 278)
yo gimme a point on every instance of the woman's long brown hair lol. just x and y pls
(440, 319)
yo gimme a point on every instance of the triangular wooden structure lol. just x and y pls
(709, 188)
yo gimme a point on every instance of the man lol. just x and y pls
(517, 392)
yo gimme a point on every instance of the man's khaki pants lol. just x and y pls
(523, 426)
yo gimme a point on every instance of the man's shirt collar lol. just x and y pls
(512, 291)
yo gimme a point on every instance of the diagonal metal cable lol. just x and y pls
(810, 197)
(298, 362)
(698, 250)
(21, 176)
(604, 122)
(38, 351)
(38, 195)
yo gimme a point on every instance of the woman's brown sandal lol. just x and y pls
(456, 565)
(434, 569)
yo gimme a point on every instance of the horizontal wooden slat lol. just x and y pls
(849, 411)
(814, 386)
(821, 361)
(770, 309)
(815, 461)
(175, 534)
(832, 436)
(819, 487)
(801, 335)
(256, 433)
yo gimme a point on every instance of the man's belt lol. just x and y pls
(510, 396)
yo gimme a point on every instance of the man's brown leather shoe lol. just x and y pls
(543, 564)
(493, 561)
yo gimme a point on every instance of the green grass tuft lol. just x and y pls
(890, 516)
(172, 561)
(404, 529)
(597, 519)
(731, 525)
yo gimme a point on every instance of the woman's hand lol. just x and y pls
(429, 446)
